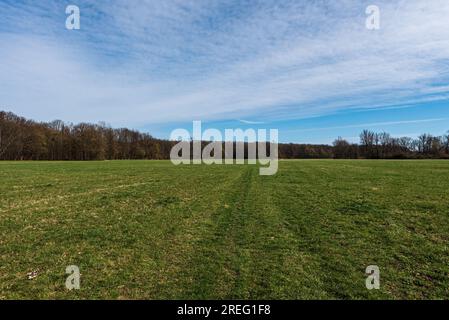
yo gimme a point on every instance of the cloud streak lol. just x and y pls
(372, 124)
(172, 61)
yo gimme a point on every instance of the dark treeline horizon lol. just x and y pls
(23, 139)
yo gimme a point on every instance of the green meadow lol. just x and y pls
(152, 230)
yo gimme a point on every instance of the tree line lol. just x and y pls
(374, 145)
(23, 139)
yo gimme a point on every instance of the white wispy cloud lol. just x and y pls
(250, 122)
(371, 124)
(166, 61)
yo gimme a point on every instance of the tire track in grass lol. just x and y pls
(218, 261)
(248, 253)
(280, 268)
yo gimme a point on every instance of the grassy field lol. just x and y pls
(151, 230)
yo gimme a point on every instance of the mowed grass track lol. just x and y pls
(152, 230)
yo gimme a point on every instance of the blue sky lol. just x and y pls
(308, 68)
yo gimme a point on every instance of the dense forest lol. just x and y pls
(22, 139)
